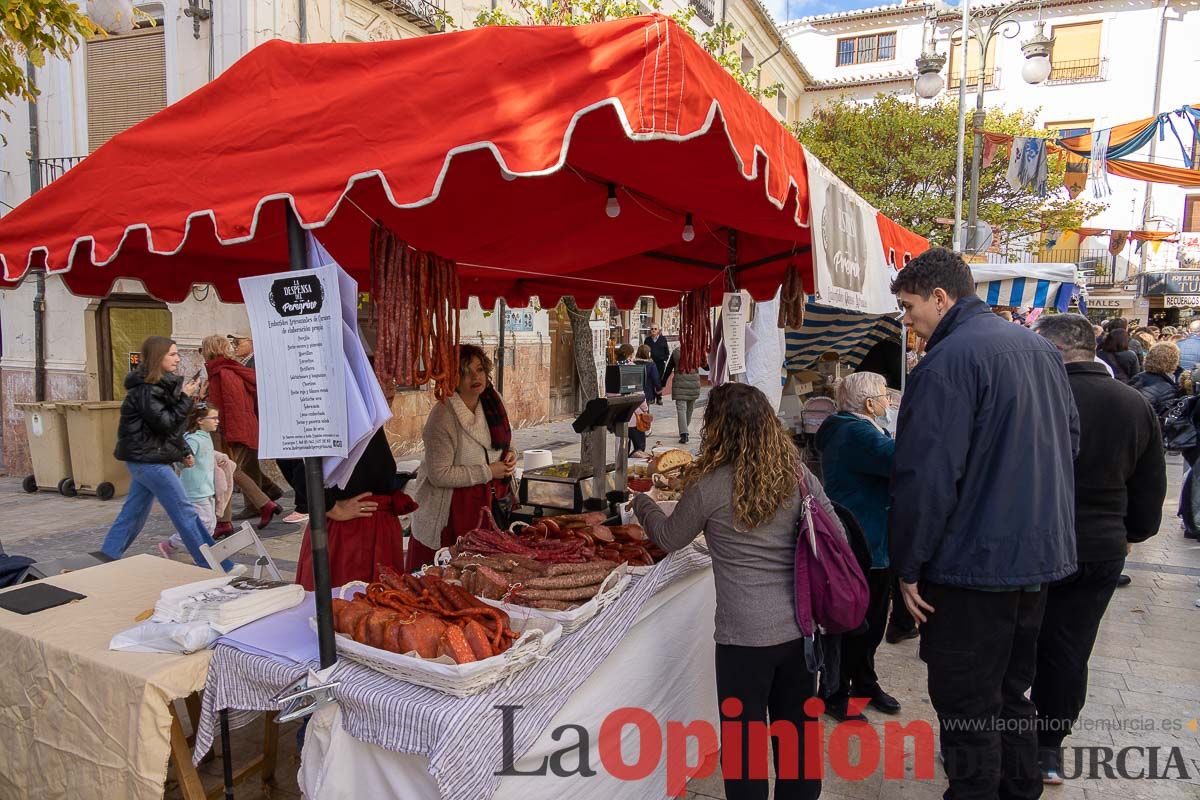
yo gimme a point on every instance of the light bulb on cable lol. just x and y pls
(613, 207)
(689, 233)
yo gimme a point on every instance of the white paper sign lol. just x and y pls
(296, 320)
(851, 267)
(735, 308)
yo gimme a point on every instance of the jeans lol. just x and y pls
(1074, 607)
(157, 482)
(770, 682)
(981, 651)
(684, 409)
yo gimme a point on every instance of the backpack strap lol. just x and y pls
(806, 503)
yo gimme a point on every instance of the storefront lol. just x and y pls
(1101, 307)
(1174, 297)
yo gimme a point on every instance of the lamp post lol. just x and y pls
(983, 29)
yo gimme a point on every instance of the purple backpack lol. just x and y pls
(831, 590)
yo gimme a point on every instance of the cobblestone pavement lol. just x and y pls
(1144, 680)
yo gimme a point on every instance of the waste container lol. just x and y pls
(92, 429)
(49, 450)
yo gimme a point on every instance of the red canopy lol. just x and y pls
(495, 147)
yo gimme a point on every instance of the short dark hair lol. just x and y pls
(1073, 334)
(1116, 341)
(936, 268)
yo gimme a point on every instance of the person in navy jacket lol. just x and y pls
(981, 519)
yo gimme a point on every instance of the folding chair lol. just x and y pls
(244, 539)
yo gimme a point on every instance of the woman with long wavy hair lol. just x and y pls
(743, 494)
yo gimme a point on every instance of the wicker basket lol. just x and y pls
(537, 636)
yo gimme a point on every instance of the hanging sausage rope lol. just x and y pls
(695, 329)
(791, 299)
(415, 301)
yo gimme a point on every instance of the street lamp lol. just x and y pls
(983, 29)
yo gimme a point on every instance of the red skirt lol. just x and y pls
(356, 546)
(465, 503)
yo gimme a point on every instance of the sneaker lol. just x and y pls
(1050, 764)
(166, 549)
(295, 518)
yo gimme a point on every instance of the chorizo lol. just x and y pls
(454, 644)
(573, 580)
(607, 565)
(582, 593)
(478, 640)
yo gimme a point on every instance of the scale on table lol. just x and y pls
(575, 487)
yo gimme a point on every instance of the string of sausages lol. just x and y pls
(695, 329)
(415, 299)
(791, 299)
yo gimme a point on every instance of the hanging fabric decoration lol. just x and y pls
(1015, 154)
(1076, 175)
(1154, 245)
(1027, 164)
(1098, 168)
(1117, 241)
(1051, 239)
(990, 146)
(695, 329)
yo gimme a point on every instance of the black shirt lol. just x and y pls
(375, 472)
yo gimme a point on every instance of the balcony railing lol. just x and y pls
(990, 78)
(51, 169)
(428, 15)
(704, 10)
(1099, 268)
(1081, 71)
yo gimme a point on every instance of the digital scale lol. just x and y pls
(572, 487)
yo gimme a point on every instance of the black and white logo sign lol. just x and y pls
(844, 239)
(296, 297)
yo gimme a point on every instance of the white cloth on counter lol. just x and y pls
(226, 603)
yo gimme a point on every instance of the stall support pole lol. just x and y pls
(502, 312)
(315, 480)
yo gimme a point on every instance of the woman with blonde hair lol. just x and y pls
(743, 494)
(1157, 382)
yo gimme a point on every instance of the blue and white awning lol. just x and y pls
(1025, 285)
(846, 333)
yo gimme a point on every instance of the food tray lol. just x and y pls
(571, 621)
(537, 636)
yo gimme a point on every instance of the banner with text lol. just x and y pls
(296, 321)
(848, 259)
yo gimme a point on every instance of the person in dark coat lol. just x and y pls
(1120, 485)
(685, 391)
(1157, 383)
(856, 462)
(1116, 353)
(650, 377)
(660, 353)
(150, 441)
(981, 519)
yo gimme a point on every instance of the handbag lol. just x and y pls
(644, 422)
(830, 588)
(502, 506)
(1179, 431)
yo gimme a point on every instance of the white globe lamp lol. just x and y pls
(1037, 51)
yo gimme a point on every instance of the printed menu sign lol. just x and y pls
(735, 307)
(296, 320)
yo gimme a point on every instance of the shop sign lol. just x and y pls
(1181, 301)
(297, 319)
(1109, 302)
(1166, 283)
(519, 320)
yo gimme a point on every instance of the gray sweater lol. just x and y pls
(754, 571)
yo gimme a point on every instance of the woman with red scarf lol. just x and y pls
(362, 519)
(469, 459)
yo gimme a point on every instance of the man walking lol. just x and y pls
(982, 518)
(1120, 485)
(1189, 348)
(660, 353)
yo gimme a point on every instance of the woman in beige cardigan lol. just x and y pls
(468, 459)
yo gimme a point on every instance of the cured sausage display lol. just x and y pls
(791, 299)
(695, 330)
(415, 301)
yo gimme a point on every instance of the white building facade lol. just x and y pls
(1114, 62)
(169, 49)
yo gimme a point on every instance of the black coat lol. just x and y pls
(1124, 363)
(660, 349)
(983, 488)
(1159, 390)
(1120, 472)
(153, 420)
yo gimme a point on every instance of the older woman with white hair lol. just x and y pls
(856, 457)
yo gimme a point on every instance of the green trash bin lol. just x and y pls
(49, 450)
(92, 429)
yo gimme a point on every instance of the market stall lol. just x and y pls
(1026, 285)
(641, 169)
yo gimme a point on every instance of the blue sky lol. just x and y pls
(791, 9)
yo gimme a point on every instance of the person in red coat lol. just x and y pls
(233, 389)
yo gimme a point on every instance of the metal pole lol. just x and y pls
(1148, 199)
(39, 275)
(314, 478)
(972, 241)
(502, 310)
(962, 125)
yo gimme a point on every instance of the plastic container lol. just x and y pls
(49, 448)
(92, 428)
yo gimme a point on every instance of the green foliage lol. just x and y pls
(34, 30)
(720, 41)
(901, 156)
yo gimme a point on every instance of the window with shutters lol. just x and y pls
(781, 104)
(866, 49)
(126, 82)
(1076, 53)
(974, 73)
(1191, 213)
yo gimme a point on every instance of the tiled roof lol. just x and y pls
(887, 76)
(890, 8)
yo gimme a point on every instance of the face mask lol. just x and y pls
(887, 420)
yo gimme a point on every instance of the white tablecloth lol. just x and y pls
(665, 664)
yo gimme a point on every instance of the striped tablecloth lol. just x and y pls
(461, 737)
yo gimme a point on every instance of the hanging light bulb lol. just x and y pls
(613, 206)
(689, 233)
